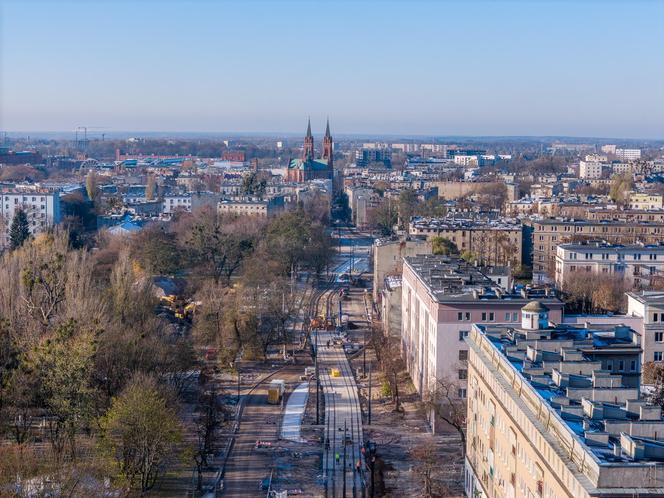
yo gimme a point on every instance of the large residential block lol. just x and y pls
(546, 234)
(635, 264)
(492, 242)
(556, 411)
(441, 298)
(41, 206)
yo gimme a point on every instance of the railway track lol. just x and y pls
(343, 462)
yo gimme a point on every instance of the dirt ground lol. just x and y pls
(399, 434)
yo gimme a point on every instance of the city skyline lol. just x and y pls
(516, 68)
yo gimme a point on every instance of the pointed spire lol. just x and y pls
(309, 128)
(327, 128)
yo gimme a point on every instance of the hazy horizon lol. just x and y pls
(418, 69)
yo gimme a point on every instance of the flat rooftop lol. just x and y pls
(451, 279)
(568, 367)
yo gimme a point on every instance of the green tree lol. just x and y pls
(64, 363)
(443, 246)
(620, 187)
(19, 231)
(141, 431)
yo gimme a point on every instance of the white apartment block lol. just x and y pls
(406, 148)
(596, 158)
(621, 168)
(649, 306)
(466, 160)
(635, 263)
(628, 154)
(41, 206)
(645, 314)
(188, 202)
(590, 170)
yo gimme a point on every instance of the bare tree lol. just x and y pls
(443, 400)
(428, 467)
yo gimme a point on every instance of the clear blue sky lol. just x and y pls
(560, 67)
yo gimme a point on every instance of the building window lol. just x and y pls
(515, 316)
(463, 373)
(621, 365)
(655, 317)
(459, 316)
(491, 317)
(659, 336)
(507, 316)
(462, 393)
(484, 316)
(463, 355)
(633, 366)
(657, 356)
(463, 334)
(467, 316)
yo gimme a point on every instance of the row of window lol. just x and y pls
(25, 199)
(488, 316)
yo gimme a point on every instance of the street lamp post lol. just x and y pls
(369, 418)
(317, 381)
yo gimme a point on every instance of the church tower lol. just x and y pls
(328, 148)
(308, 152)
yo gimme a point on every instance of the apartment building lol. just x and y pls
(189, 202)
(41, 206)
(262, 208)
(387, 258)
(644, 201)
(492, 242)
(590, 169)
(441, 298)
(546, 234)
(636, 264)
(649, 307)
(628, 154)
(466, 161)
(361, 200)
(555, 411)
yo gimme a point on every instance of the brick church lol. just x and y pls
(307, 168)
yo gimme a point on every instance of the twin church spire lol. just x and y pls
(308, 151)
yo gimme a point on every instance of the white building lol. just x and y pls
(466, 160)
(628, 154)
(41, 206)
(649, 306)
(637, 264)
(188, 202)
(596, 158)
(590, 169)
(621, 168)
